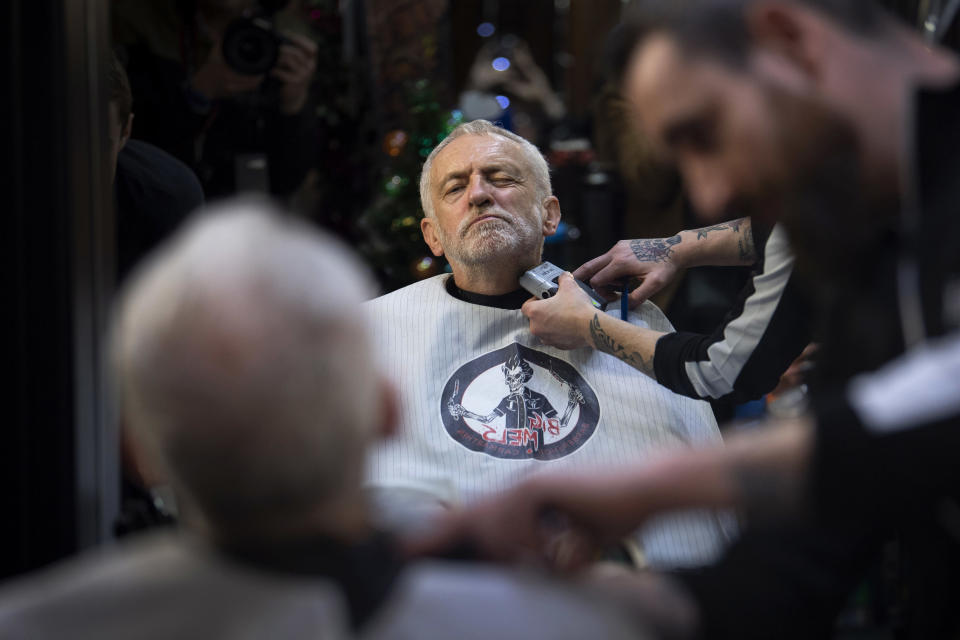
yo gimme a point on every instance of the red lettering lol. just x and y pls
(490, 435)
(530, 435)
(512, 437)
(536, 421)
(553, 427)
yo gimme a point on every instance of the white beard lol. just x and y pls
(493, 242)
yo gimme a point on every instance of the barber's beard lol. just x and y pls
(832, 221)
(492, 245)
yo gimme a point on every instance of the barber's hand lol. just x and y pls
(562, 321)
(216, 79)
(560, 521)
(294, 69)
(652, 260)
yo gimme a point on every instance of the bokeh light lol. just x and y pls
(500, 64)
(503, 101)
(486, 29)
(394, 142)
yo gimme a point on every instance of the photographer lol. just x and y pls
(241, 121)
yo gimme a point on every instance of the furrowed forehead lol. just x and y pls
(477, 151)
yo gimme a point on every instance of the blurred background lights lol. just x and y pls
(500, 64)
(486, 29)
(504, 101)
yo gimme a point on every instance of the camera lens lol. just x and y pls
(250, 46)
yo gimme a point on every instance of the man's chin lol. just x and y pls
(489, 244)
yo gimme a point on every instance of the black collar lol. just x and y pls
(512, 300)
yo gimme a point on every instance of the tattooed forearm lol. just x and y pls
(654, 250)
(603, 341)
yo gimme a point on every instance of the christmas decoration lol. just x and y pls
(392, 222)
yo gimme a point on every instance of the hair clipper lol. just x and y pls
(541, 282)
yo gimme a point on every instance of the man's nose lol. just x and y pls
(479, 192)
(710, 191)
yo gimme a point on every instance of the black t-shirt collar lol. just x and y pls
(512, 300)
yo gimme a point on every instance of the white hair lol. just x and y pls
(535, 160)
(242, 365)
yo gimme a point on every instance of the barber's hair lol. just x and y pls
(243, 368)
(120, 90)
(717, 27)
(535, 159)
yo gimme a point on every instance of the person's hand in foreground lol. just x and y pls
(561, 520)
(553, 520)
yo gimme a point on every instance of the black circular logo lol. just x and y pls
(519, 403)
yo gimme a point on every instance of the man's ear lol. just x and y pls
(793, 33)
(551, 215)
(127, 130)
(430, 236)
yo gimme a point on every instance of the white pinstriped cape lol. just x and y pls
(423, 335)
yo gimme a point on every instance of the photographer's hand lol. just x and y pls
(294, 69)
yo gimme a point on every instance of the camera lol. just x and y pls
(251, 44)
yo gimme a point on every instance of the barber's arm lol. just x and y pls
(568, 321)
(770, 318)
(656, 261)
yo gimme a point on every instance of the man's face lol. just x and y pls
(486, 207)
(715, 124)
(746, 144)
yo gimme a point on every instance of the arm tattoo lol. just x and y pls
(655, 250)
(603, 341)
(733, 225)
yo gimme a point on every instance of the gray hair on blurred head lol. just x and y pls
(242, 367)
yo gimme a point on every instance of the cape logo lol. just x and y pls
(519, 403)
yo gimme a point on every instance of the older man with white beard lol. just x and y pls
(484, 403)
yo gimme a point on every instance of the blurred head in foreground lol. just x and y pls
(775, 107)
(246, 377)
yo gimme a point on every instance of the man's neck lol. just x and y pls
(489, 282)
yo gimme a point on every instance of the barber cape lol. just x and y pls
(484, 404)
